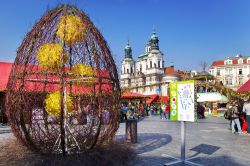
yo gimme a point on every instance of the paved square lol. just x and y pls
(208, 139)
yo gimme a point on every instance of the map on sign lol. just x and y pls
(186, 94)
(182, 101)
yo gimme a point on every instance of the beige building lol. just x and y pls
(232, 71)
(147, 75)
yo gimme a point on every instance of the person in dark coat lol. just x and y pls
(235, 117)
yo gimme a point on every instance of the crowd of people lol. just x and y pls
(238, 113)
(135, 110)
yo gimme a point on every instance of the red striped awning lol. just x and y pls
(131, 95)
(157, 98)
(245, 87)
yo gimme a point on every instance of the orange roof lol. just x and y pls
(169, 70)
(234, 61)
(218, 63)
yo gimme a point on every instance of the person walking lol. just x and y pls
(167, 111)
(235, 118)
(163, 107)
(246, 109)
(123, 113)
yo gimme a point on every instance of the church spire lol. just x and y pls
(128, 50)
(154, 41)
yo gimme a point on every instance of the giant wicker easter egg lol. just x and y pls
(63, 90)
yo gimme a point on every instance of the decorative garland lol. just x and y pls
(86, 72)
(49, 56)
(53, 104)
(70, 29)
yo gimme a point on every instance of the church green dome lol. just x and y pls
(128, 51)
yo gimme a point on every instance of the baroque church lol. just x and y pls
(147, 75)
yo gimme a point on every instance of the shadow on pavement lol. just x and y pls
(199, 121)
(151, 141)
(205, 149)
(5, 131)
(148, 141)
(211, 161)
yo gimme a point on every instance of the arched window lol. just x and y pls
(240, 61)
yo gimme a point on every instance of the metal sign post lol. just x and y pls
(183, 159)
(183, 140)
(182, 106)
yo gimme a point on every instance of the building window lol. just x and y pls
(211, 72)
(240, 61)
(140, 67)
(228, 62)
(229, 81)
(229, 71)
(144, 80)
(124, 71)
(150, 64)
(151, 89)
(240, 72)
(155, 65)
(240, 81)
(127, 70)
(159, 64)
(131, 70)
(218, 72)
(129, 82)
(162, 65)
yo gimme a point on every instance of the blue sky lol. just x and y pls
(190, 31)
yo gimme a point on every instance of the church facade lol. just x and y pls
(147, 75)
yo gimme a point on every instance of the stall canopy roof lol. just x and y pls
(5, 69)
(211, 97)
(157, 98)
(245, 87)
(131, 95)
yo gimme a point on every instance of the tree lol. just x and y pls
(203, 65)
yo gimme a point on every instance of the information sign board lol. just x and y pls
(182, 101)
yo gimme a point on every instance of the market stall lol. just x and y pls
(213, 100)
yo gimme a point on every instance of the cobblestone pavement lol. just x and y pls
(5, 133)
(208, 139)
